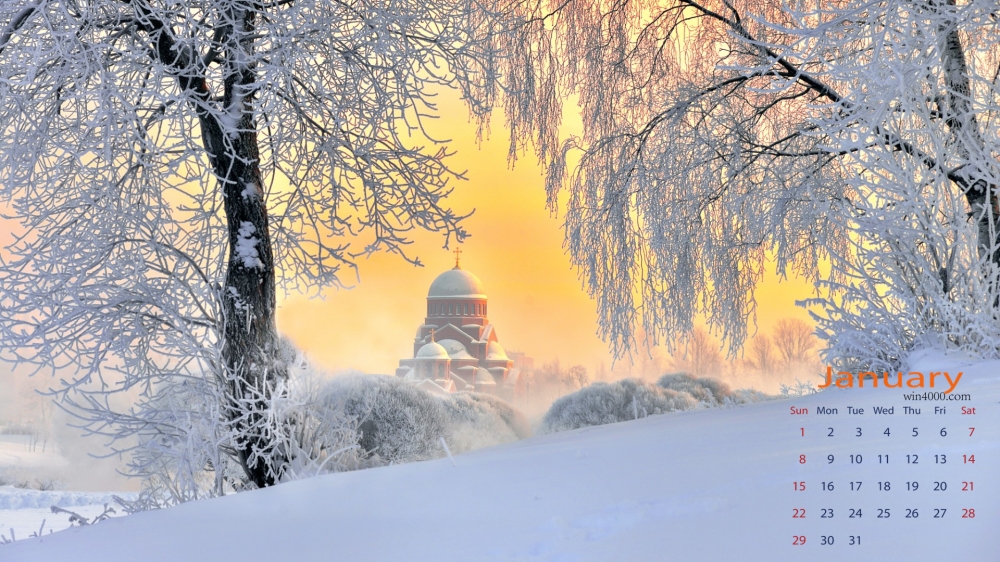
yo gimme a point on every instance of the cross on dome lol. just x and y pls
(457, 252)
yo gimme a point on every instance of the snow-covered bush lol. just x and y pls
(711, 392)
(317, 426)
(629, 399)
(746, 396)
(480, 420)
(603, 403)
(310, 434)
(317, 434)
(395, 421)
(181, 442)
(798, 389)
(703, 389)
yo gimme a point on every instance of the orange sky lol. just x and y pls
(537, 305)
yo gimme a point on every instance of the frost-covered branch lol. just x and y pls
(719, 136)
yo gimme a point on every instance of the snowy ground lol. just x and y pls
(26, 512)
(708, 485)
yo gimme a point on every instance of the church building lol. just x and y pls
(456, 348)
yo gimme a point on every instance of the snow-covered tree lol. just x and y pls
(921, 214)
(721, 134)
(169, 166)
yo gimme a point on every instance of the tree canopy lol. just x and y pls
(719, 135)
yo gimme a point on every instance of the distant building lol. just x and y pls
(456, 348)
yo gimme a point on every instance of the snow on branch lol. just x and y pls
(724, 137)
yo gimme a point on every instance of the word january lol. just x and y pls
(915, 379)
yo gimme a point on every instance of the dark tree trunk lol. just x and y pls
(968, 141)
(250, 349)
(250, 345)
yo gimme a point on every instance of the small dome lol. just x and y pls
(484, 377)
(456, 283)
(455, 349)
(494, 351)
(432, 350)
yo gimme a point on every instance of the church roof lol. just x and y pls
(434, 388)
(457, 283)
(460, 384)
(433, 350)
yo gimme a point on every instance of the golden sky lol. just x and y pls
(537, 304)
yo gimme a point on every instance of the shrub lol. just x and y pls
(603, 403)
(395, 420)
(319, 426)
(707, 390)
(481, 420)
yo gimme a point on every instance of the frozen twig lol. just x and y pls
(447, 451)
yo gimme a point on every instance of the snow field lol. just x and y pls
(701, 485)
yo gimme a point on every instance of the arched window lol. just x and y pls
(441, 370)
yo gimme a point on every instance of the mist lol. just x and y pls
(784, 357)
(40, 449)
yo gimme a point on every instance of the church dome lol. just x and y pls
(455, 349)
(484, 377)
(432, 350)
(494, 351)
(457, 283)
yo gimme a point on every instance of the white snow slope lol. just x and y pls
(712, 485)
